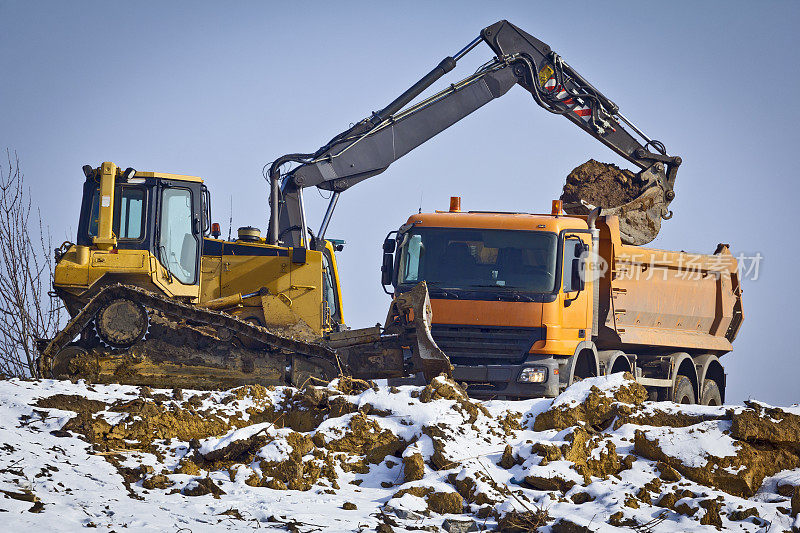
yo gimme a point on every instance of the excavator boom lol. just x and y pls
(370, 146)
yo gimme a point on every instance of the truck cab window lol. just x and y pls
(177, 243)
(573, 257)
(409, 261)
(477, 259)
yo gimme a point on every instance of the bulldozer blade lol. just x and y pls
(414, 310)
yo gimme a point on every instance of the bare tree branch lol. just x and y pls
(27, 311)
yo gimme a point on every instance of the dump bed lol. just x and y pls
(655, 299)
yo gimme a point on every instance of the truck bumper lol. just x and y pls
(503, 381)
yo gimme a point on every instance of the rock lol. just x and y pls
(796, 501)
(406, 514)
(403, 514)
(452, 525)
(349, 506)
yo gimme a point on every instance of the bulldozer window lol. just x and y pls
(94, 213)
(475, 258)
(329, 288)
(131, 217)
(177, 244)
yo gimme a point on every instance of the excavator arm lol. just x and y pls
(370, 146)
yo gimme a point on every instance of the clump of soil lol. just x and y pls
(203, 486)
(598, 410)
(601, 184)
(413, 467)
(441, 388)
(158, 481)
(365, 436)
(438, 502)
(759, 424)
(723, 473)
(467, 486)
(508, 460)
(523, 521)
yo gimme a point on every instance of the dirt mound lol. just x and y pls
(740, 474)
(601, 184)
(438, 502)
(597, 408)
(364, 436)
(397, 457)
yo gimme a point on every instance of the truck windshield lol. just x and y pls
(460, 258)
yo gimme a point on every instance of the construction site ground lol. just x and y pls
(354, 456)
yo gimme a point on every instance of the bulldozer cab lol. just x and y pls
(146, 215)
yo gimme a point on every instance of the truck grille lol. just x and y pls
(480, 345)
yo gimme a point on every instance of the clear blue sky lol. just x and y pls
(219, 89)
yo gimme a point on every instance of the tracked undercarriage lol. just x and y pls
(129, 335)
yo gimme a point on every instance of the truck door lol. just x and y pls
(575, 295)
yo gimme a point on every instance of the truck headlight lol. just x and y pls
(533, 374)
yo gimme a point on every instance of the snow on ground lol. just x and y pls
(350, 457)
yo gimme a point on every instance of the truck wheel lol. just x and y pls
(710, 394)
(683, 392)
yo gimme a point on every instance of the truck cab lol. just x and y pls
(510, 300)
(525, 304)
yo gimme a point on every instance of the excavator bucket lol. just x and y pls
(640, 201)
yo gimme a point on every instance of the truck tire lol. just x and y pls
(710, 394)
(683, 391)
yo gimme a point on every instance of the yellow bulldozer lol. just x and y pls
(157, 298)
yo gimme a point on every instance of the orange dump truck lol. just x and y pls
(526, 304)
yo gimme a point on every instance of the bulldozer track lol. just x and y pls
(315, 353)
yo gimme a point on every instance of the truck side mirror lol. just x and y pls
(387, 268)
(388, 245)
